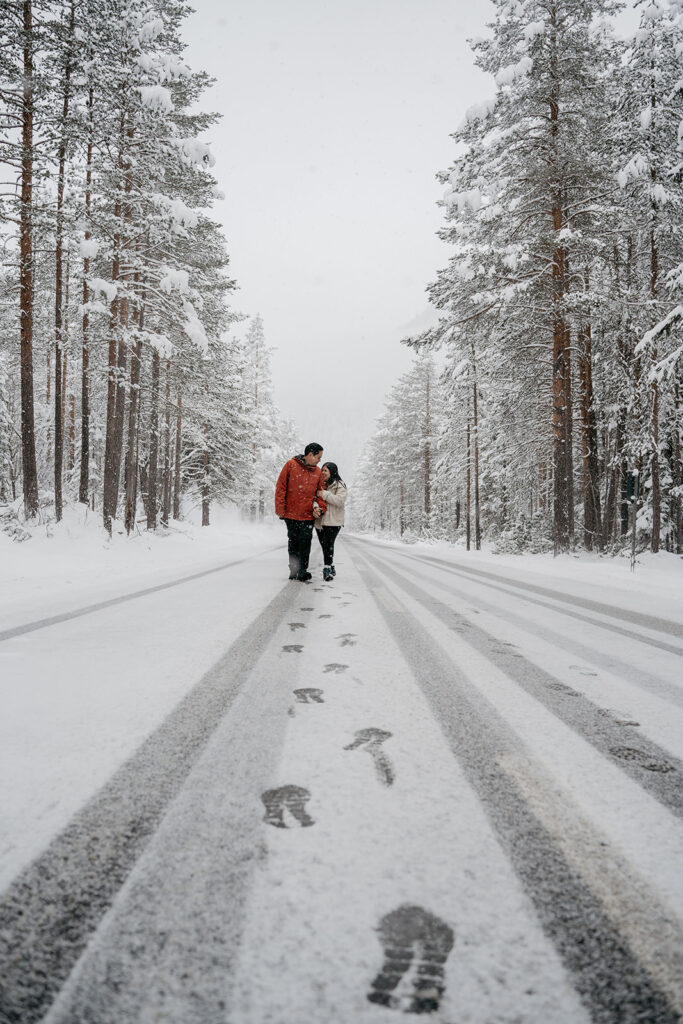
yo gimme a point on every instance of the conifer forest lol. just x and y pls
(544, 407)
(121, 384)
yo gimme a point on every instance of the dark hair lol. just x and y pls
(313, 448)
(334, 474)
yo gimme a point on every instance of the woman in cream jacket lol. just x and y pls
(329, 525)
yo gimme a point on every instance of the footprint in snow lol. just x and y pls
(372, 740)
(293, 648)
(307, 609)
(347, 639)
(287, 798)
(416, 945)
(309, 695)
(335, 667)
(296, 625)
(583, 671)
(324, 616)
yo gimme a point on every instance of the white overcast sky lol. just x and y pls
(336, 118)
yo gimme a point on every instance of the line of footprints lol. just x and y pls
(415, 943)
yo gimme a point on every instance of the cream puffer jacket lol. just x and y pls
(335, 499)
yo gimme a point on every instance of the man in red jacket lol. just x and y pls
(296, 503)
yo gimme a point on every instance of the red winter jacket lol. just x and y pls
(296, 489)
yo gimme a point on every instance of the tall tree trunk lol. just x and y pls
(592, 522)
(468, 498)
(72, 433)
(110, 483)
(654, 410)
(178, 444)
(153, 445)
(205, 479)
(60, 383)
(561, 389)
(26, 285)
(166, 507)
(131, 465)
(475, 439)
(677, 471)
(84, 481)
(401, 509)
(427, 454)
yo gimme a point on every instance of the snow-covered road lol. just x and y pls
(430, 787)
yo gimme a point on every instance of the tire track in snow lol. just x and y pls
(54, 905)
(640, 678)
(52, 620)
(637, 618)
(608, 976)
(655, 769)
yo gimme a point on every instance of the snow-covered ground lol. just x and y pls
(447, 783)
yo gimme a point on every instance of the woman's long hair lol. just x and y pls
(334, 474)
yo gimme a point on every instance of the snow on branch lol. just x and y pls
(510, 74)
(194, 328)
(156, 97)
(180, 215)
(99, 285)
(665, 366)
(192, 151)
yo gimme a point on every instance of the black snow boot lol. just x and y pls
(327, 574)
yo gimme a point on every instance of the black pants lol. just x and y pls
(299, 537)
(327, 536)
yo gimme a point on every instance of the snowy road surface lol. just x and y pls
(426, 788)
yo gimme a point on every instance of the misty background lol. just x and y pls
(336, 119)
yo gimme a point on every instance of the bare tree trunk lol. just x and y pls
(178, 444)
(60, 383)
(592, 521)
(427, 455)
(468, 499)
(561, 389)
(677, 471)
(72, 433)
(28, 437)
(475, 438)
(401, 510)
(131, 464)
(110, 483)
(84, 481)
(166, 507)
(654, 412)
(153, 446)
(205, 480)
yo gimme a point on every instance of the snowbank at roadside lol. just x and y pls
(73, 563)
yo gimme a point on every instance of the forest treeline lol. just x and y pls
(122, 385)
(554, 403)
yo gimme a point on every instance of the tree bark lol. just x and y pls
(60, 383)
(153, 446)
(656, 493)
(84, 481)
(178, 446)
(468, 498)
(475, 439)
(592, 521)
(26, 281)
(131, 464)
(205, 480)
(427, 454)
(166, 506)
(561, 384)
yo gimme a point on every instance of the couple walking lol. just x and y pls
(308, 495)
